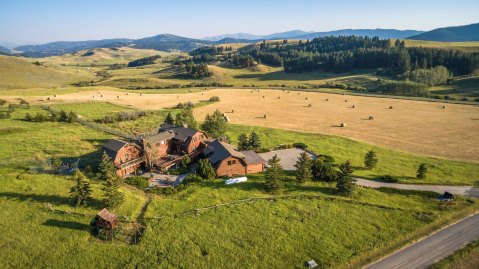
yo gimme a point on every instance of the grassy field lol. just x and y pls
(332, 230)
(412, 126)
(459, 88)
(394, 163)
(21, 73)
(463, 46)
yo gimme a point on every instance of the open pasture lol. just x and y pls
(424, 128)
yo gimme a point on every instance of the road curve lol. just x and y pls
(459, 190)
(432, 248)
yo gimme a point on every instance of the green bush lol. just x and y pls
(326, 158)
(300, 145)
(388, 179)
(139, 182)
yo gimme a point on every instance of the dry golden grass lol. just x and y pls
(419, 127)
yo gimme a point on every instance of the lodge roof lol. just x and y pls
(217, 151)
(113, 146)
(164, 135)
(181, 132)
(107, 215)
(251, 157)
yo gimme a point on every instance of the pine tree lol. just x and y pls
(215, 125)
(186, 117)
(205, 169)
(243, 142)
(113, 197)
(345, 184)
(421, 171)
(303, 168)
(254, 141)
(63, 116)
(323, 171)
(28, 117)
(81, 192)
(273, 175)
(72, 117)
(106, 167)
(370, 159)
(169, 119)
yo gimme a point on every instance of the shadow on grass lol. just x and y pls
(72, 225)
(52, 199)
(281, 75)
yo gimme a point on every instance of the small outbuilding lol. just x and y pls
(311, 264)
(105, 220)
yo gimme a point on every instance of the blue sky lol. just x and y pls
(42, 21)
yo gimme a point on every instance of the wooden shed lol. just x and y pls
(106, 220)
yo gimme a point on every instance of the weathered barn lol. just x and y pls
(105, 220)
(228, 162)
(127, 157)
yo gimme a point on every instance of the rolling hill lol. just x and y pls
(168, 42)
(381, 33)
(451, 34)
(19, 73)
(4, 50)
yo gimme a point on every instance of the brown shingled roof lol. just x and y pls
(107, 215)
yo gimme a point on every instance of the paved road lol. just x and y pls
(432, 248)
(460, 190)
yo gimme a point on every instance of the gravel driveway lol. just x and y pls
(288, 157)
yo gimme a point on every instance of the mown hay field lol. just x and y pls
(419, 127)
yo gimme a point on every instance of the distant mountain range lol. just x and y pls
(4, 50)
(451, 34)
(168, 42)
(298, 34)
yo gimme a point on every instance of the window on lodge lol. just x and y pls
(232, 162)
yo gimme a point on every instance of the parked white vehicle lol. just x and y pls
(235, 180)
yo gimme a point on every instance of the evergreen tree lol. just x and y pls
(254, 141)
(63, 116)
(370, 159)
(273, 175)
(186, 117)
(72, 117)
(421, 171)
(205, 169)
(106, 167)
(186, 161)
(215, 125)
(113, 197)
(169, 119)
(303, 168)
(243, 142)
(28, 117)
(81, 192)
(323, 171)
(345, 184)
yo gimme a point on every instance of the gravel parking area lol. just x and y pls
(288, 157)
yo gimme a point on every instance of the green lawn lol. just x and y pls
(391, 162)
(274, 233)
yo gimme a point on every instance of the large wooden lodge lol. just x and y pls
(171, 144)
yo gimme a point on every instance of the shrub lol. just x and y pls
(300, 145)
(326, 158)
(214, 99)
(388, 179)
(205, 169)
(139, 182)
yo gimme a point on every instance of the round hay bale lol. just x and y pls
(48, 98)
(279, 97)
(310, 105)
(232, 111)
(306, 98)
(390, 107)
(346, 100)
(264, 116)
(54, 95)
(263, 96)
(371, 118)
(101, 95)
(327, 99)
(353, 106)
(118, 96)
(141, 94)
(342, 124)
(443, 107)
